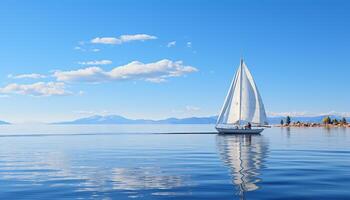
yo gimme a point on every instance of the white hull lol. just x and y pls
(239, 131)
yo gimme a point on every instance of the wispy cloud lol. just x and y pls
(189, 44)
(36, 89)
(343, 114)
(78, 48)
(292, 114)
(83, 49)
(26, 76)
(81, 93)
(96, 62)
(192, 108)
(171, 44)
(140, 37)
(156, 72)
(4, 96)
(106, 40)
(92, 112)
(122, 39)
(188, 110)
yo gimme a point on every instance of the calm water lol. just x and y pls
(116, 162)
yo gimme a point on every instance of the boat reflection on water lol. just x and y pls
(244, 155)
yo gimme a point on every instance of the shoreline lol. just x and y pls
(314, 125)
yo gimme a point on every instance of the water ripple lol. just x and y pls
(299, 164)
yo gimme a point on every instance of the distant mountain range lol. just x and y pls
(3, 123)
(116, 119)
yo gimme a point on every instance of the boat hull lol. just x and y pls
(239, 131)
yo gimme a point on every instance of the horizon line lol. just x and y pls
(269, 115)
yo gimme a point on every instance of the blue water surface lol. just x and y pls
(132, 162)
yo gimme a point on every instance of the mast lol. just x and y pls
(243, 101)
(240, 92)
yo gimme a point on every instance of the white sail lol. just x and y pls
(243, 102)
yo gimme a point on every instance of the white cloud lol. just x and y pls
(83, 49)
(171, 44)
(36, 89)
(79, 48)
(187, 111)
(92, 112)
(4, 96)
(189, 44)
(84, 112)
(122, 39)
(96, 62)
(140, 37)
(106, 40)
(22, 76)
(81, 93)
(90, 74)
(292, 114)
(343, 114)
(152, 72)
(192, 108)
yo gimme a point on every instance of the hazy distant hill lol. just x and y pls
(3, 123)
(116, 119)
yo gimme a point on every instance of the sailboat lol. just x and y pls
(243, 111)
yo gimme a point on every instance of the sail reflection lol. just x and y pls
(244, 155)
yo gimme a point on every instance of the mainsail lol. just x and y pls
(243, 102)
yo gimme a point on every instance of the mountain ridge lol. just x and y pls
(4, 123)
(117, 119)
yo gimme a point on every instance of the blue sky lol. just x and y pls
(170, 58)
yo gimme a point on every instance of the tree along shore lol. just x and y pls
(327, 122)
